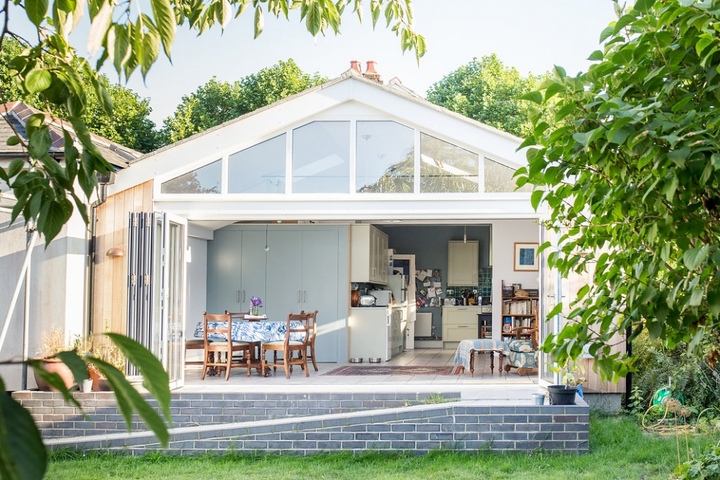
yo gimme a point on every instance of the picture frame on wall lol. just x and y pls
(526, 258)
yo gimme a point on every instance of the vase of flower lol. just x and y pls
(255, 304)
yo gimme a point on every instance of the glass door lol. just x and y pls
(171, 320)
(156, 297)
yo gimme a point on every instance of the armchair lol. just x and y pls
(523, 350)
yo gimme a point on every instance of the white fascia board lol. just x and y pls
(365, 208)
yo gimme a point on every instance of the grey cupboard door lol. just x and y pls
(224, 277)
(284, 273)
(254, 271)
(320, 267)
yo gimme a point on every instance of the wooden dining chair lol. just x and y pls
(219, 347)
(312, 332)
(293, 351)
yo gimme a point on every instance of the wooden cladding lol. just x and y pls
(110, 276)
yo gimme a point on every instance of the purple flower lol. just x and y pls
(256, 301)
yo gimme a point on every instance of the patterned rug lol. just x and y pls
(361, 370)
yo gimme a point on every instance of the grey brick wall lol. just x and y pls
(353, 422)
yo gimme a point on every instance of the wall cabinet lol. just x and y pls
(463, 263)
(459, 323)
(369, 257)
(236, 270)
(299, 271)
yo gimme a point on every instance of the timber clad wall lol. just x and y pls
(303, 424)
(110, 281)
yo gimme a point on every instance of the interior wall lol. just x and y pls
(505, 234)
(196, 285)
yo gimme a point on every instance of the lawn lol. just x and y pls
(619, 449)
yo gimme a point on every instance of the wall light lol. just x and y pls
(115, 252)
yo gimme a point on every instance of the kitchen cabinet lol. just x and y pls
(302, 274)
(459, 323)
(236, 270)
(463, 263)
(299, 271)
(369, 257)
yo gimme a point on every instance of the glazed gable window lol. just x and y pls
(258, 169)
(205, 179)
(385, 158)
(499, 178)
(447, 168)
(321, 158)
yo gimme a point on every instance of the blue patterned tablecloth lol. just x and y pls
(462, 354)
(262, 331)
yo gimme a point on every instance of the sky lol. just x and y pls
(530, 35)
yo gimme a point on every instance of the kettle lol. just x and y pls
(367, 301)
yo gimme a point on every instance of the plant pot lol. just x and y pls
(99, 383)
(562, 395)
(54, 366)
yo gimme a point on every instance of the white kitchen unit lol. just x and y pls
(368, 255)
(370, 333)
(459, 323)
(463, 263)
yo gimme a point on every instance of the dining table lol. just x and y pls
(255, 332)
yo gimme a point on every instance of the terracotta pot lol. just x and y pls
(54, 366)
(100, 384)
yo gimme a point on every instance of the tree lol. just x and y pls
(630, 175)
(128, 39)
(489, 92)
(217, 102)
(130, 124)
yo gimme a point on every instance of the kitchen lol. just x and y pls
(437, 279)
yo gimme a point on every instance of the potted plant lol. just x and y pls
(564, 393)
(104, 350)
(51, 343)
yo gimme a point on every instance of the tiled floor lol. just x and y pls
(481, 384)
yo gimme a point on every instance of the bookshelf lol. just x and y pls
(519, 312)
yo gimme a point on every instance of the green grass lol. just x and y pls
(619, 449)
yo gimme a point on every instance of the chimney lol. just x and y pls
(355, 66)
(371, 73)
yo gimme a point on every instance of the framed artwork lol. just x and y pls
(526, 257)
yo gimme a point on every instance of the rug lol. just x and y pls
(362, 370)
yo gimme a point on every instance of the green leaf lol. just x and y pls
(22, 453)
(155, 379)
(40, 142)
(695, 257)
(36, 10)
(696, 297)
(38, 80)
(165, 23)
(259, 23)
(535, 97)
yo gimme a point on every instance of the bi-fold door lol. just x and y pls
(156, 288)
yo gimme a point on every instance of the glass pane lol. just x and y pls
(499, 178)
(385, 158)
(203, 180)
(321, 158)
(258, 169)
(446, 168)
